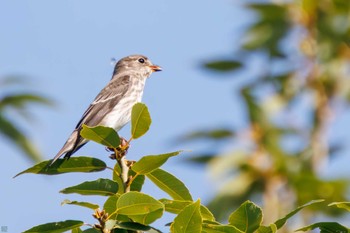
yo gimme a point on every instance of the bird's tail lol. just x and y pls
(74, 142)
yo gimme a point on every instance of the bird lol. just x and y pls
(112, 106)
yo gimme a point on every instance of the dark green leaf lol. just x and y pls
(103, 187)
(151, 162)
(169, 184)
(216, 134)
(223, 65)
(326, 227)
(140, 120)
(247, 217)
(134, 226)
(79, 203)
(102, 135)
(20, 100)
(188, 220)
(55, 227)
(73, 164)
(92, 230)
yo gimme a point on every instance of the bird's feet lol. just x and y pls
(121, 150)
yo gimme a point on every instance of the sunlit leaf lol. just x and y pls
(79, 203)
(73, 164)
(176, 206)
(140, 120)
(280, 222)
(215, 228)
(140, 207)
(343, 205)
(247, 217)
(102, 135)
(151, 162)
(169, 184)
(188, 220)
(76, 230)
(55, 227)
(102, 187)
(267, 229)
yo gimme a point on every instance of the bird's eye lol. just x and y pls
(141, 60)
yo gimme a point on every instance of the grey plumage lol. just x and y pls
(112, 106)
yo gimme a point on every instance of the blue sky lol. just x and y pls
(64, 49)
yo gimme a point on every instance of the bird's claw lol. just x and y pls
(121, 150)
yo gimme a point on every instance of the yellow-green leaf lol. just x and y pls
(188, 220)
(247, 217)
(140, 120)
(102, 135)
(170, 184)
(151, 162)
(140, 207)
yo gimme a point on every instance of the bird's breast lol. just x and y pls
(121, 113)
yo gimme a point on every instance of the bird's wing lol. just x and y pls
(102, 105)
(105, 101)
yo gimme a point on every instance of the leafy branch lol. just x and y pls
(128, 209)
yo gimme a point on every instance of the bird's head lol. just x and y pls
(136, 63)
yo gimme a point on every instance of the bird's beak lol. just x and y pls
(155, 68)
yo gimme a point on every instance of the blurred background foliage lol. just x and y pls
(14, 105)
(304, 68)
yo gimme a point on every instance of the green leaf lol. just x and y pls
(137, 183)
(216, 134)
(77, 230)
(139, 207)
(176, 206)
(169, 184)
(215, 228)
(73, 164)
(280, 222)
(343, 205)
(247, 217)
(102, 135)
(78, 203)
(110, 206)
(140, 120)
(151, 162)
(326, 227)
(267, 229)
(10, 131)
(55, 227)
(223, 65)
(102, 187)
(91, 230)
(133, 226)
(188, 220)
